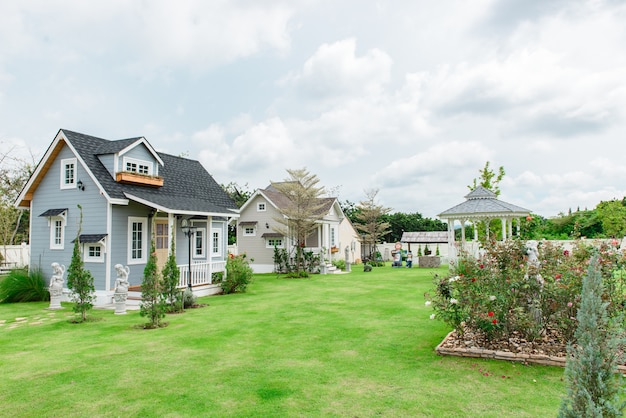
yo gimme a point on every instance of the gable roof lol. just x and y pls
(425, 237)
(483, 203)
(187, 188)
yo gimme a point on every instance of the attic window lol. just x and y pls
(68, 173)
(133, 165)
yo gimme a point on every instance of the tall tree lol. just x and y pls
(489, 179)
(612, 214)
(14, 173)
(303, 211)
(80, 280)
(240, 195)
(370, 221)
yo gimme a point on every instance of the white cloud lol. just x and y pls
(335, 70)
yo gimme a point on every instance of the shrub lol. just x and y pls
(171, 278)
(21, 285)
(79, 279)
(238, 274)
(502, 293)
(189, 299)
(340, 264)
(594, 387)
(153, 304)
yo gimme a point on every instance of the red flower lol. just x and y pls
(482, 266)
(473, 279)
(566, 253)
(558, 276)
(495, 321)
(529, 218)
(231, 255)
(490, 313)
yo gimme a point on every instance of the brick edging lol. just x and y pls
(504, 355)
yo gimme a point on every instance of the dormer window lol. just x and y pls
(68, 173)
(132, 165)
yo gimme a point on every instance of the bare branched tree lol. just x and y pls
(369, 221)
(303, 208)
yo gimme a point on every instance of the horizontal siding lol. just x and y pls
(49, 195)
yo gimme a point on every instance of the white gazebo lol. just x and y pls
(481, 204)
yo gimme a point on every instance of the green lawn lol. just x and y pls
(355, 345)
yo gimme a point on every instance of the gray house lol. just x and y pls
(130, 194)
(258, 231)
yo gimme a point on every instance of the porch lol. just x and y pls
(203, 280)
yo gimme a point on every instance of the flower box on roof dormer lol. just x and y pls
(130, 177)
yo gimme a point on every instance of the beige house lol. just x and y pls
(258, 231)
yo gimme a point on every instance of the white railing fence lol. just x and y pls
(201, 272)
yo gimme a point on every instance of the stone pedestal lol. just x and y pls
(55, 301)
(120, 303)
(429, 261)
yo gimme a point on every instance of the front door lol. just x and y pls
(162, 243)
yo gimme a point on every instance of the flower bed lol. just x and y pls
(512, 306)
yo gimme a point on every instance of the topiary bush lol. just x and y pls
(238, 274)
(21, 285)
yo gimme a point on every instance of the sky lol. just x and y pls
(407, 97)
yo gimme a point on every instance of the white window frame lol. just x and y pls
(53, 229)
(144, 240)
(333, 238)
(202, 253)
(269, 242)
(261, 207)
(249, 234)
(65, 181)
(89, 259)
(137, 162)
(216, 235)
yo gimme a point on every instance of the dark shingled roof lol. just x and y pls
(90, 238)
(187, 186)
(53, 212)
(483, 202)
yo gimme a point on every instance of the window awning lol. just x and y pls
(272, 235)
(91, 238)
(248, 223)
(53, 212)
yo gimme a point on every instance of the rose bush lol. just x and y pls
(501, 294)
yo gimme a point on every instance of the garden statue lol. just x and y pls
(533, 258)
(121, 289)
(56, 286)
(397, 256)
(409, 259)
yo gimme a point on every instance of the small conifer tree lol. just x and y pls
(80, 280)
(171, 276)
(594, 387)
(152, 304)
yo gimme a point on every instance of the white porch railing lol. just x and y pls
(201, 272)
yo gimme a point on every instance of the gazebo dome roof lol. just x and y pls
(482, 203)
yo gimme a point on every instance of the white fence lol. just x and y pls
(14, 255)
(201, 273)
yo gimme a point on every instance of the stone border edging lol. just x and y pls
(504, 355)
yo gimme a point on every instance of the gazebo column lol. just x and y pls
(510, 223)
(475, 224)
(503, 221)
(519, 221)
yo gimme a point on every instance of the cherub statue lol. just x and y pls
(121, 283)
(56, 281)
